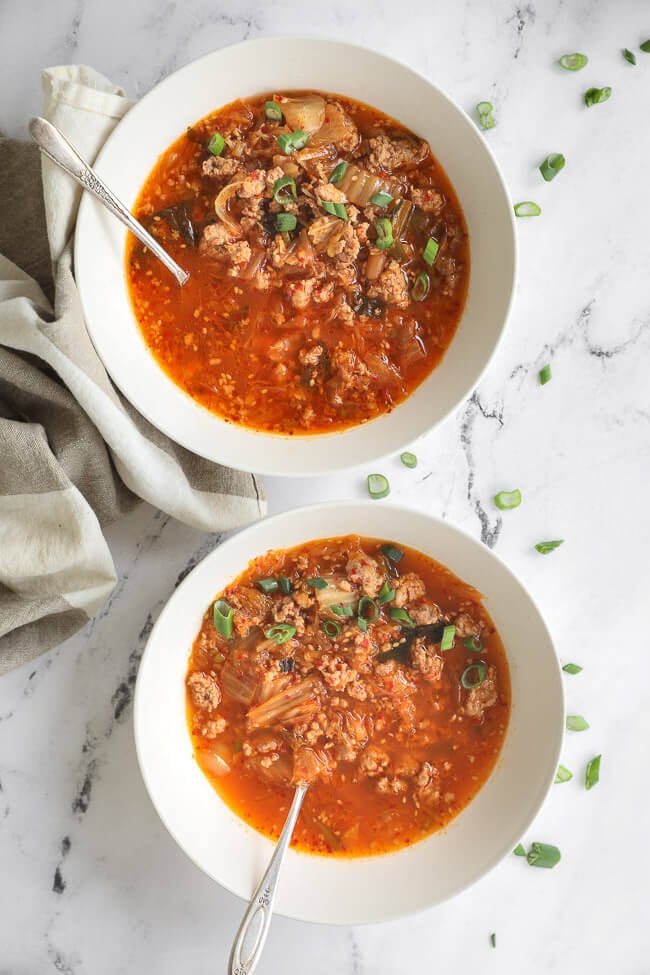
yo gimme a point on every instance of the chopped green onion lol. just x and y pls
(545, 375)
(552, 165)
(447, 641)
(572, 668)
(384, 231)
(506, 500)
(543, 855)
(563, 774)
(392, 552)
(335, 209)
(545, 547)
(401, 616)
(527, 209)
(629, 57)
(493, 940)
(484, 111)
(317, 583)
(575, 722)
(385, 594)
(481, 674)
(381, 199)
(339, 172)
(592, 774)
(595, 96)
(331, 628)
(280, 633)
(285, 221)
(519, 850)
(645, 47)
(288, 185)
(430, 251)
(473, 643)
(286, 585)
(291, 141)
(273, 111)
(408, 459)
(339, 610)
(222, 614)
(574, 62)
(378, 486)
(267, 585)
(217, 144)
(362, 616)
(421, 286)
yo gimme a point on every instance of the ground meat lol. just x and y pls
(428, 200)
(427, 783)
(252, 185)
(272, 176)
(446, 266)
(300, 292)
(425, 613)
(344, 314)
(239, 254)
(211, 729)
(311, 355)
(249, 606)
(373, 761)
(389, 154)
(321, 230)
(217, 242)
(485, 696)
(357, 690)
(220, 166)
(349, 373)
(391, 286)
(326, 191)
(336, 673)
(343, 245)
(304, 598)
(204, 691)
(364, 571)
(391, 786)
(286, 611)
(323, 292)
(278, 251)
(408, 588)
(465, 626)
(425, 660)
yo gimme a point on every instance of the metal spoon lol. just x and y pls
(257, 919)
(56, 147)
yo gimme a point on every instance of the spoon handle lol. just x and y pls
(257, 919)
(56, 147)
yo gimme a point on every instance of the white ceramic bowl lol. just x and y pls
(358, 890)
(285, 63)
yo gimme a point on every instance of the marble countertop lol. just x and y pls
(92, 883)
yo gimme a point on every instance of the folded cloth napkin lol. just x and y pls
(74, 454)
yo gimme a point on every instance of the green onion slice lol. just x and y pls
(385, 594)
(575, 722)
(574, 62)
(543, 855)
(339, 610)
(339, 172)
(473, 643)
(217, 144)
(545, 375)
(384, 231)
(506, 500)
(392, 552)
(421, 286)
(592, 774)
(447, 640)
(222, 614)
(595, 96)
(645, 47)
(519, 850)
(290, 141)
(284, 190)
(367, 612)
(466, 678)
(484, 111)
(545, 547)
(408, 459)
(378, 486)
(401, 616)
(552, 165)
(572, 668)
(381, 199)
(331, 628)
(273, 111)
(285, 221)
(267, 585)
(335, 209)
(286, 585)
(629, 56)
(527, 209)
(281, 632)
(430, 252)
(317, 583)
(562, 774)
(493, 940)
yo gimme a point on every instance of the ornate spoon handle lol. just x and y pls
(255, 924)
(56, 147)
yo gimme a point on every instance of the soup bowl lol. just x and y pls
(338, 890)
(247, 69)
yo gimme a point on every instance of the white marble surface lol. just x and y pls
(91, 883)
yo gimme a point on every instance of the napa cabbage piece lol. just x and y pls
(306, 112)
(310, 764)
(292, 705)
(338, 129)
(334, 595)
(359, 185)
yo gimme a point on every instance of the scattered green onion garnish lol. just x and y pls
(575, 722)
(527, 209)
(331, 628)
(381, 199)
(284, 190)
(493, 940)
(545, 547)
(378, 486)
(285, 221)
(384, 231)
(562, 774)
(339, 610)
(645, 47)
(447, 640)
(290, 141)
(401, 616)
(545, 375)
(552, 165)
(385, 594)
(392, 552)
(267, 585)
(629, 56)
(484, 111)
(286, 585)
(466, 679)
(572, 668)
(430, 251)
(574, 62)
(421, 286)
(408, 459)
(367, 612)
(217, 144)
(543, 855)
(335, 209)
(339, 172)
(222, 614)
(317, 583)
(595, 96)
(519, 850)
(473, 643)
(592, 774)
(273, 111)
(280, 633)
(505, 500)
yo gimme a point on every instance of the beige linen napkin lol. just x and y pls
(74, 454)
